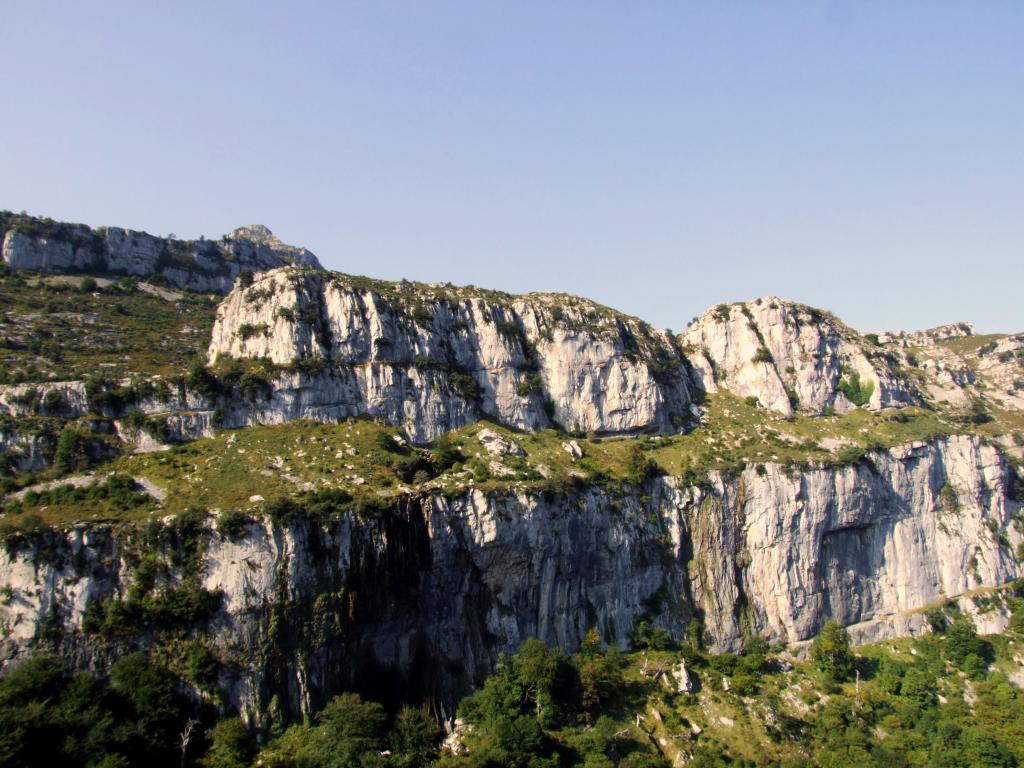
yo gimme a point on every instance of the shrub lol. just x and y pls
(965, 649)
(103, 393)
(283, 510)
(763, 355)
(531, 382)
(639, 466)
(203, 381)
(247, 330)
(446, 454)
(233, 523)
(386, 442)
(948, 499)
(850, 454)
(254, 386)
(857, 393)
(465, 384)
(72, 451)
(231, 745)
(976, 414)
(53, 401)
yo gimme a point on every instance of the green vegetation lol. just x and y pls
(48, 717)
(942, 699)
(831, 652)
(857, 393)
(52, 329)
(117, 489)
(361, 459)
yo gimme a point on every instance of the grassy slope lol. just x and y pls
(224, 472)
(49, 329)
(55, 330)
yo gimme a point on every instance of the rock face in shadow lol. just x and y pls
(423, 597)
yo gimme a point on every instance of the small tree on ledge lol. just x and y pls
(831, 652)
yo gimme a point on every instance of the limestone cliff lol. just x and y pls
(435, 358)
(204, 266)
(790, 356)
(304, 608)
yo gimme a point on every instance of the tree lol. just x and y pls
(446, 454)
(919, 687)
(152, 703)
(231, 745)
(536, 669)
(349, 733)
(831, 651)
(639, 466)
(601, 679)
(72, 451)
(350, 728)
(414, 738)
(965, 649)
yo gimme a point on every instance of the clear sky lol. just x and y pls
(660, 158)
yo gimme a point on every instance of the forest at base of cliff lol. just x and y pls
(942, 699)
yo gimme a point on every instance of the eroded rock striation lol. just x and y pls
(434, 358)
(303, 608)
(791, 357)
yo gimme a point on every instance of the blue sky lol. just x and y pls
(660, 158)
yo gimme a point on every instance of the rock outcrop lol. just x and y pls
(791, 357)
(205, 266)
(306, 608)
(435, 358)
(927, 336)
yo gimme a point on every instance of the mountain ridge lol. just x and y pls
(428, 475)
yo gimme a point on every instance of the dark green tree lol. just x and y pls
(415, 737)
(831, 651)
(231, 745)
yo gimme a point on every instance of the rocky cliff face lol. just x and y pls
(424, 595)
(790, 357)
(455, 580)
(203, 266)
(433, 358)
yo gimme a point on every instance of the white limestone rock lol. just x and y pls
(685, 682)
(207, 266)
(496, 445)
(573, 449)
(432, 360)
(789, 356)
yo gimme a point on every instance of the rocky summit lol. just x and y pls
(204, 266)
(320, 483)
